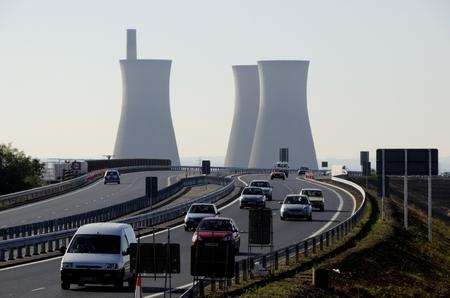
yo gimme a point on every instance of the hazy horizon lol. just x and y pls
(378, 73)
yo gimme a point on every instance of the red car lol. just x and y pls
(212, 231)
(276, 174)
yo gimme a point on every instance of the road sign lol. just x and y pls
(260, 226)
(206, 167)
(324, 164)
(417, 162)
(284, 154)
(151, 187)
(363, 157)
(155, 257)
(215, 260)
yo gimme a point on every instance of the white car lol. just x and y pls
(252, 197)
(99, 254)
(196, 213)
(265, 186)
(315, 196)
(296, 206)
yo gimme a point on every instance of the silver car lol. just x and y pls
(296, 206)
(252, 197)
(265, 186)
(196, 213)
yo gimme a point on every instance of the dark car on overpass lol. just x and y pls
(112, 176)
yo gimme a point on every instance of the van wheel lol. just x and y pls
(65, 285)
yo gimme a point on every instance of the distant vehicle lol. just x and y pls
(446, 174)
(252, 197)
(265, 186)
(213, 231)
(196, 213)
(112, 176)
(315, 196)
(283, 166)
(302, 171)
(309, 175)
(276, 174)
(296, 206)
(99, 254)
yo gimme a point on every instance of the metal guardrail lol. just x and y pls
(48, 242)
(21, 197)
(98, 215)
(245, 268)
(30, 195)
(17, 198)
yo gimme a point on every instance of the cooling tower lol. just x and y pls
(145, 128)
(246, 106)
(283, 120)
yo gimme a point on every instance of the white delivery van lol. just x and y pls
(99, 254)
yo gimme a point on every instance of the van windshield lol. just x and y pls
(95, 244)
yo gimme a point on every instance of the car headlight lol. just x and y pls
(111, 266)
(196, 238)
(67, 265)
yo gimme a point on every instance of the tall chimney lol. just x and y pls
(131, 44)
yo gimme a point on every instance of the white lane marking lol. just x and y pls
(161, 293)
(239, 178)
(30, 264)
(290, 189)
(335, 215)
(52, 199)
(38, 289)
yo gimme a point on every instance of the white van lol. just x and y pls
(99, 254)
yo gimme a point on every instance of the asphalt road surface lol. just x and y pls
(91, 197)
(42, 279)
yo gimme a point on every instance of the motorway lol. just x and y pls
(91, 197)
(41, 279)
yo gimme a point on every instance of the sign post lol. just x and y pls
(429, 196)
(405, 192)
(383, 178)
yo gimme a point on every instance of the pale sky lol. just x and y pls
(379, 73)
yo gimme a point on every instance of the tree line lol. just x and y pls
(17, 170)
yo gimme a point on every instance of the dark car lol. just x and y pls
(302, 171)
(214, 231)
(112, 176)
(276, 174)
